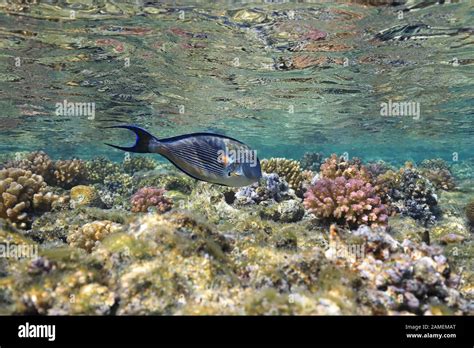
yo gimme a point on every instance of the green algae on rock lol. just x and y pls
(234, 251)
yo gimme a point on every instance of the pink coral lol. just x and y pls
(349, 201)
(150, 197)
(334, 167)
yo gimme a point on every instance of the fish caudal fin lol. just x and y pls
(142, 143)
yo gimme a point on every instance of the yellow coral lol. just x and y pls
(89, 235)
(82, 195)
(44, 201)
(19, 191)
(37, 162)
(288, 169)
(68, 173)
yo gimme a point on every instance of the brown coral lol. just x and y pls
(150, 197)
(47, 200)
(37, 162)
(288, 169)
(441, 178)
(63, 173)
(18, 188)
(335, 167)
(470, 212)
(89, 235)
(69, 173)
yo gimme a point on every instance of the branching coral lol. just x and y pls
(312, 161)
(63, 173)
(288, 169)
(335, 167)
(89, 235)
(119, 183)
(409, 193)
(441, 179)
(151, 197)
(37, 162)
(69, 173)
(349, 201)
(46, 200)
(438, 172)
(132, 165)
(21, 192)
(377, 168)
(99, 168)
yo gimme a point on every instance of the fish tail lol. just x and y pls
(143, 141)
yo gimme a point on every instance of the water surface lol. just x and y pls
(284, 77)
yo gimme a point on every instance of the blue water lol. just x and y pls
(176, 68)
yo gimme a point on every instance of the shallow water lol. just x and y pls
(179, 67)
(133, 236)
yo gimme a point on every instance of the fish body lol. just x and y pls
(208, 157)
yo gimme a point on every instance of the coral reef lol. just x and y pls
(287, 169)
(408, 277)
(53, 227)
(409, 193)
(150, 198)
(311, 161)
(378, 168)
(135, 164)
(434, 164)
(439, 173)
(69, 173)
(286, 211)
(63, 173)
(254, 250)
(99, 168)
(116, 190)
(37, 162)
(46, 200)
(82, 195)
(176, 182)
(88, 236)
(348, 201)
(335, 167)
(441, 179)
(271, 188)
(470, 212)
(21, 192)
(120, 183)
